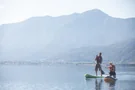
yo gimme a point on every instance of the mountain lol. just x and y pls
(121, 52)
(43, 37)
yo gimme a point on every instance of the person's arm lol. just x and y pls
(108, 67)
(95, 59)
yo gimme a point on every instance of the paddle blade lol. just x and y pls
(102, 72)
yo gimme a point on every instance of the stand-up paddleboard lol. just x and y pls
(93, 76)
(109, 79)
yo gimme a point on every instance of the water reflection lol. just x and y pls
(111, 85)
(98, 84)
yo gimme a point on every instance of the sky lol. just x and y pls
(18, 10)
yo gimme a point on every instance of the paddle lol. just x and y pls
(102, 72)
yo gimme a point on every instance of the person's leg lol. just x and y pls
(96, 69)
(101, 72)
(100, 69)
(96, 73)
(114, 74)
(110, 74)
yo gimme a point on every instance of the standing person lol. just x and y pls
(98, 60)
(112, 70)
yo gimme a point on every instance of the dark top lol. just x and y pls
(98, 59)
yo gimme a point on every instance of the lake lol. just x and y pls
(62, 77)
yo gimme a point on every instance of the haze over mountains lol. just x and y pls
(53, 37)
(122, 52)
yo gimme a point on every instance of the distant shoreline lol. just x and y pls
(44, 63)
(107, 63)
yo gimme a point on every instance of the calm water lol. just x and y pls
(62, 77)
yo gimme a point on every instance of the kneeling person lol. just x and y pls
(112, 70)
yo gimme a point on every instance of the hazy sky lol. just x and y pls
(18, 10)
